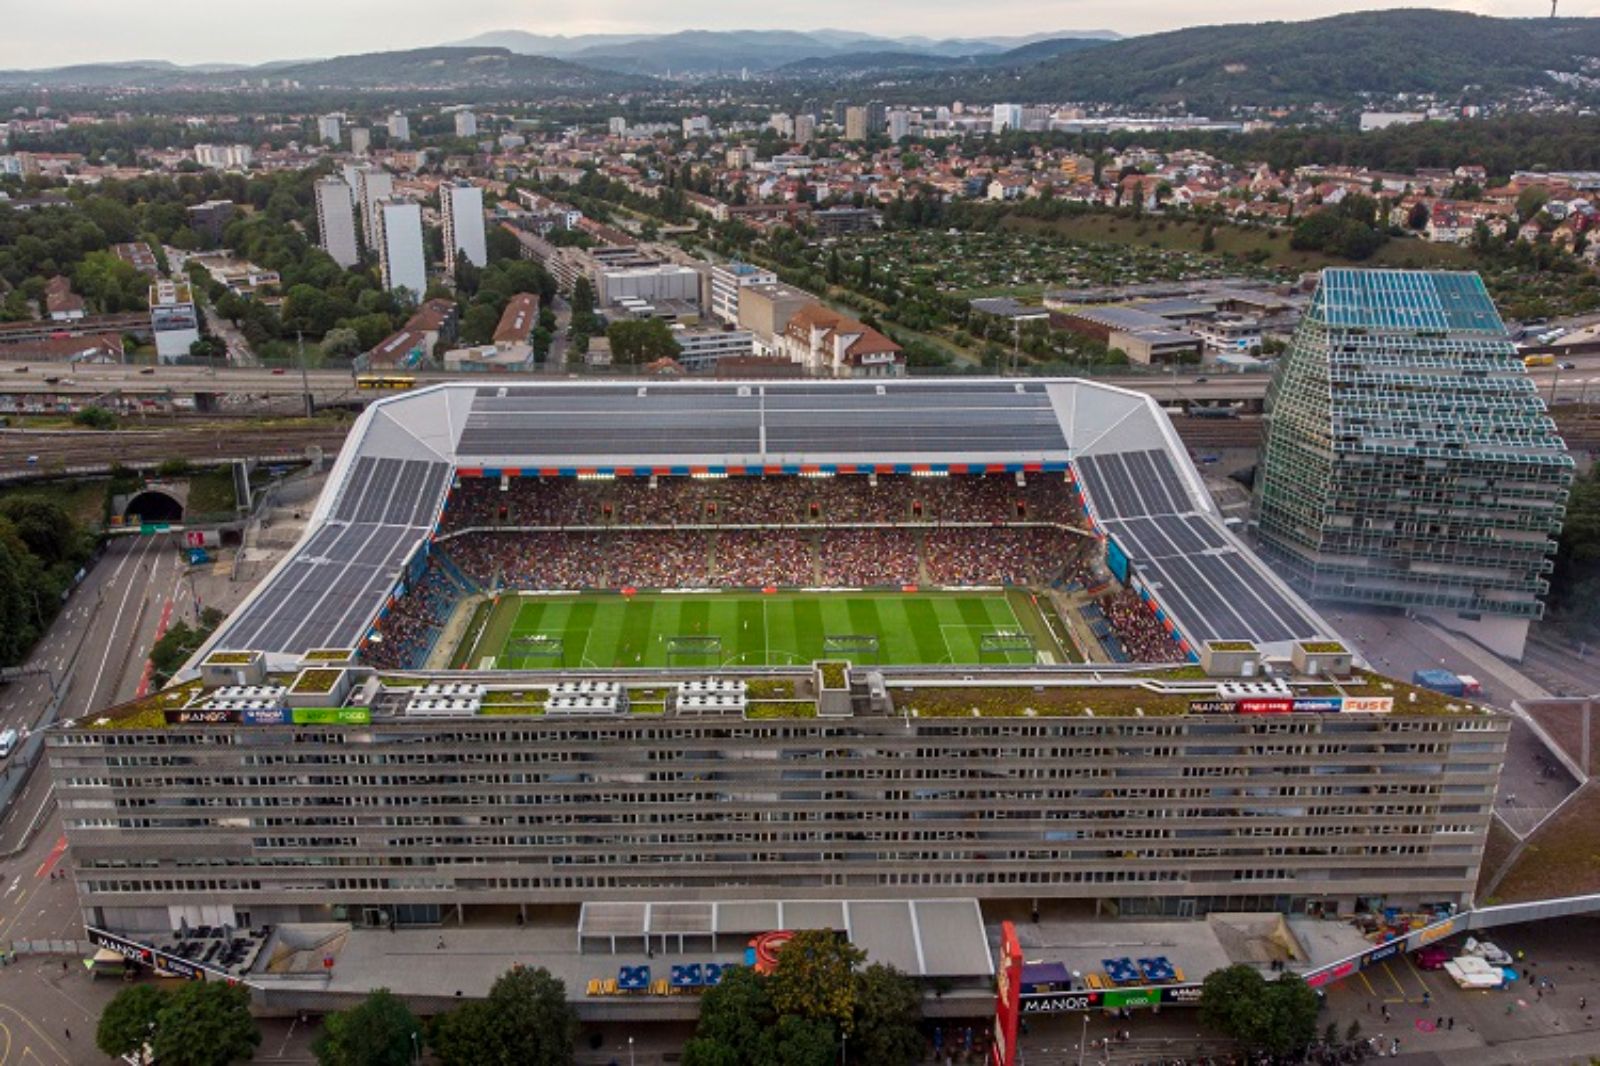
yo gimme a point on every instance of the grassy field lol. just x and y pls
(749, 629)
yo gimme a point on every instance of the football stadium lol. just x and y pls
(681, 663)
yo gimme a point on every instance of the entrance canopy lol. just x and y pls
(925, 937)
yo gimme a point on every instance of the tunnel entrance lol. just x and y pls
(154, 505)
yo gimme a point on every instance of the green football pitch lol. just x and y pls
(747, 629)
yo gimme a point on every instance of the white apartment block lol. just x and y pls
(1006, 117)
(372, 185)
(174, 321)
(461, 207)
(617, 126)
(224, 156)
(336, 222)
(328, 129)
(360, 140)
(466, 124)
(726, 281)
(400, 250)
(399, 128)
(805, 129)
(700, 350)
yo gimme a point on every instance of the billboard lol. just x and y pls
(1008, 998)
(1187, 994)
(201, 717)
(1368, 704)
(332, 716)
(146, 956)
(266, 716)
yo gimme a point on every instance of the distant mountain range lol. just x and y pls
(1331, 59)
(444, 68)
(703, 52)
(859, 65)
(1206, 68)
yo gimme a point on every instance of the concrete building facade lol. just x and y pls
(401, 254)
(336, 222)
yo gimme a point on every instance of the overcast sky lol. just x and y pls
(61, 32)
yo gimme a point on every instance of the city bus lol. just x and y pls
(1543, 359)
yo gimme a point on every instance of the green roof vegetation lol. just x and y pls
(763, 709)
(513, 710)
(1018, 701)
(1230, 645)
(833, 674)
(316, 681)
(230, 658)
(1324, 647)
(146, 712)
(329, 655)
(647, 707)
(502, 697)
(780, 688)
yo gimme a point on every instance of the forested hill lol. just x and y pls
(1331, 59)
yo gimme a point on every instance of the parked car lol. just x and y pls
(1433, 957)
(8, 742)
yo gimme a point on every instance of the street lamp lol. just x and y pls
(630, 1051)
(1084, 1038)
(416, 1045)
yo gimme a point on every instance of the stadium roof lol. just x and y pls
(389, 483)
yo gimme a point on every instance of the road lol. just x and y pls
(1209, 385)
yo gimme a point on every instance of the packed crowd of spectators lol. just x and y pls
(1143, 638)
(1025, 556)
(848, 499)
(408, 632)
(960, 530)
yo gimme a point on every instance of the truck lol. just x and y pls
(1439, 681)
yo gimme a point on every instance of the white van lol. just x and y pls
(8, 741)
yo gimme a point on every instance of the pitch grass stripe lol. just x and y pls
(750, 636)
(782, 644)
(635, 633)
(922, 623)
(896, 641)
(1002, 617)
(808, 629)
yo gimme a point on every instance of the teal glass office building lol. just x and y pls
(1409, 460)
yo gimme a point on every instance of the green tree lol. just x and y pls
(126, 1022)
(205, 1023)
(583, 320)
(888, 1013)
(95, 418)
(815, 977)
(1280, 1017)
(380, 1031)
(1531, 201)
(835, 267)
(479, 323)
(341, 342)
(526, 1021)
(44, 527)
(798, 1041)
(735, 1016)
(635, 343)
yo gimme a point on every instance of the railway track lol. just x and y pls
(73, 450)
(208, 440)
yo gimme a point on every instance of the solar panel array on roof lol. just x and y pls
(336, 581)
(1212, 590)
(760, 422)
(1133, 483)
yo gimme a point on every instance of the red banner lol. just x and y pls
(1008, 1001)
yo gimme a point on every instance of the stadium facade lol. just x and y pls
(1409, 461)
(284, 781)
